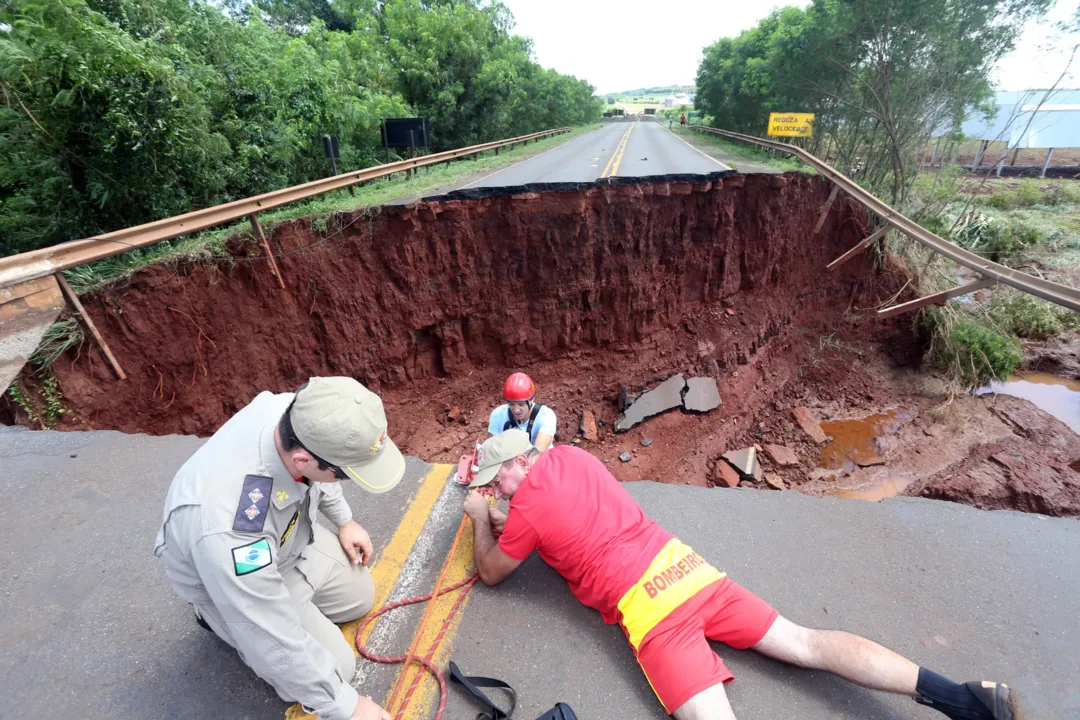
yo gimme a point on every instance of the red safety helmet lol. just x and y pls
(519, 387)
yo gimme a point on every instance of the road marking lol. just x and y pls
(519, 162)
(699, 152)
(388, 566)
(612, 166)
(458, 568)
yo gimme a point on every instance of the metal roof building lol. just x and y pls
(1031, 119)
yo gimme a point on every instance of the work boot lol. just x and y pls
(992, 701)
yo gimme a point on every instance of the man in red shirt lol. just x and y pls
(668, 600)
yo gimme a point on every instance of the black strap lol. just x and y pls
(532, 418)
(561, 711)
(473, 683)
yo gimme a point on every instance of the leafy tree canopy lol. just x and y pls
(119, 112)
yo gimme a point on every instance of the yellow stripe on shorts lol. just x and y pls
(674, 576)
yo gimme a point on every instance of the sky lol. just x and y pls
(627, 44)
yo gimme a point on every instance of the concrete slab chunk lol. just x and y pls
(746, 462)
(702, 394)
(809, 424)
(665, 396)
(782, 455)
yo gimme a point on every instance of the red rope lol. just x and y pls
(465, 585)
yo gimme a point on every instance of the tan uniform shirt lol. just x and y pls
(235, 520)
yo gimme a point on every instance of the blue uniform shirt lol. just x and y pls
(545, 422)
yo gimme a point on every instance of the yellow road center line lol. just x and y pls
(616, 153)
(458, 568)
(387, 566)
(622, 150)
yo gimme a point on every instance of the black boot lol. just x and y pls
(974, 700)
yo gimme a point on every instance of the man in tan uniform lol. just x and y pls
(240, 540)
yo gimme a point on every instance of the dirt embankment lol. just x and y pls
(586, 288)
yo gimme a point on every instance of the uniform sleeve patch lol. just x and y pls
(251, 558)
(254, 502)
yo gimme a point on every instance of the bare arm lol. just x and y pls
(543, 441)
(491, 562)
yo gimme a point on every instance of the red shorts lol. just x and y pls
(675, 654)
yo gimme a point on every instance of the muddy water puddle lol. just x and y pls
(1058, 396)
(857, 442)
(881, 488)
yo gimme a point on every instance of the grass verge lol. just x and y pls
(735, 153)
(1031, 225)
(212, 243)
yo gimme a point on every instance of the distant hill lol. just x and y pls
(652, 92)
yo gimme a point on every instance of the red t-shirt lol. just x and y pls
(585, 525)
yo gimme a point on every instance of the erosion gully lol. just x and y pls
(597, 291)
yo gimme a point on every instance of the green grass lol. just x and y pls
(213, 243)
(733, 152)
(60, 337)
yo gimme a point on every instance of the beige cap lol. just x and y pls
(343, 423)
(496, 450)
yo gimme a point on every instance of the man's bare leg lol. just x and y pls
(709, 704)
(852, 657)
(866, 663)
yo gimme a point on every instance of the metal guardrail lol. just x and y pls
(48, 261)
(1054, 292)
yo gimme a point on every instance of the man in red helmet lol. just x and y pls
(521, 411)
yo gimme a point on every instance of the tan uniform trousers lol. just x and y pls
(326, 588)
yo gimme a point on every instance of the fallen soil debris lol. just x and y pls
(584, 287)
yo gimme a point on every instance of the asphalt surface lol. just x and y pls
(649, 149)
(93, 630)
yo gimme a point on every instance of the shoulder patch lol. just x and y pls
(254, 502)
(252, 557)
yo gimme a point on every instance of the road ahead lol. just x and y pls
(619, 149)
(93, 629)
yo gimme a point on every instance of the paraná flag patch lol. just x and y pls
(249, 558)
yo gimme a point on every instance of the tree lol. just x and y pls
(119, 112)
(881, 77)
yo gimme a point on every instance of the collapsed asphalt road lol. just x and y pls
(95, 631)
(619, 149)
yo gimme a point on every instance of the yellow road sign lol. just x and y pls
(791, 124)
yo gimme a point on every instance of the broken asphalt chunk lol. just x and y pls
(702, 394)
(665, 396)
(746, 462)
(809, 424)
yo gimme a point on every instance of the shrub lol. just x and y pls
(1028, 316)
(1011, 235)
(1062, 194)
(972, 350)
